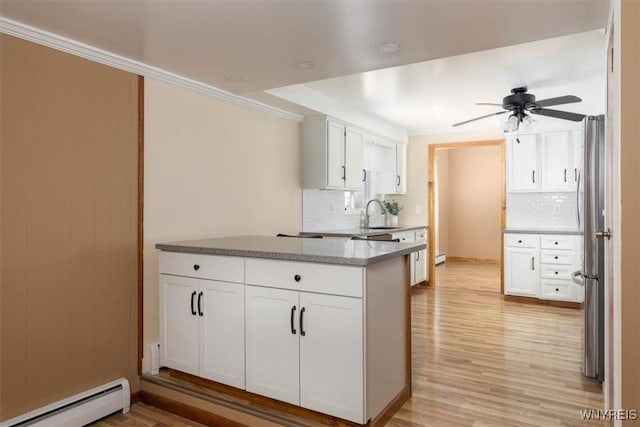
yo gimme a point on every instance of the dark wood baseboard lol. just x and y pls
(529, 300)
(253, 399)
(393, 407)
(187, 411)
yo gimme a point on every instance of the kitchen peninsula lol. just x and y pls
(321, 324)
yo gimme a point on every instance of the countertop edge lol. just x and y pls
(320, 259)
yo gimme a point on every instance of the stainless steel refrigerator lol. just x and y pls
(592, 276)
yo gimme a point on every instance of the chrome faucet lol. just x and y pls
(366, 211)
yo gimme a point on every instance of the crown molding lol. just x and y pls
(73, 47)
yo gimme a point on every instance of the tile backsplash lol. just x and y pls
(549, 211)
(324, 210)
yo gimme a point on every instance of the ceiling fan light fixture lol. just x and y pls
(510, 124)
(528, 122)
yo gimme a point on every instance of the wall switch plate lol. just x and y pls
(418, 209)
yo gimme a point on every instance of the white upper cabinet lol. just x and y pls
(401, 169)
(335, 155)
(555, 152)
(332, 155)
(544, 161)
(522, 163)
(354, 159)
(338, 156)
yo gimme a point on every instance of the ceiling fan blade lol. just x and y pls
(488, 103)
(567, 99)
(565, 115)
(481, 117)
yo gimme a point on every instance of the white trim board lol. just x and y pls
(73, 47)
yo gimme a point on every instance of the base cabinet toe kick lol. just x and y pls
(329, 338)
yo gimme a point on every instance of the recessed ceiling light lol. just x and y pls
(305, 65)
(390, 48)
(233, 78)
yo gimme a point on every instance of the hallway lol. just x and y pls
(483, 361)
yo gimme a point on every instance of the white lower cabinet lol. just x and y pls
(520, 272)
(540, 266)
(419, 272)
(201, 320)
(306, 349)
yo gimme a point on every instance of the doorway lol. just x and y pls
(466, 204)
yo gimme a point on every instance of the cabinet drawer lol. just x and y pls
(223, 268)
(556, 257)
(405, 236)
(521, 240)
(557, 242)
(559, 271)
(421, 236)
(320, 278)
(558, 289)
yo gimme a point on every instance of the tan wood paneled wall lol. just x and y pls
(69, 162)
(630, 196)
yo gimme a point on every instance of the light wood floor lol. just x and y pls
(481, 361)
(477, 360)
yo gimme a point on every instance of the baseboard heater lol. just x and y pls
(440, 258)
(79, 410)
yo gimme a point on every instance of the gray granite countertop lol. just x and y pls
(534, 231)
(326, 251)
(363, 232)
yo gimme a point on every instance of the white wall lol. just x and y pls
(212, 168)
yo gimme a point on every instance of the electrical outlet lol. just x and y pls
(418, 209)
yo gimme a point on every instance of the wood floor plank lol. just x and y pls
(477, 360)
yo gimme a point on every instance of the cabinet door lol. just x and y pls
(557, 170)
(420, 267)
(221, 305)
(331, 355)
(354, 160)
(401, 169)
(272, 344)
(522, 163)
(521, 272)
(179, 323)
(335, 155)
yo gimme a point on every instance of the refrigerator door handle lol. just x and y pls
(578, 199)
(577, 277)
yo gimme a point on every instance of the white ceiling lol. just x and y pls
(248, 46)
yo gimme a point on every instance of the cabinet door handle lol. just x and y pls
(302, 332)
(293, 312)
(533, 263)
(364, 175)
(565, 175)
(417, 256)
(193, 310)
(519, 241)
(397, 179)
(344, 173)
(575, 174)
(533, 176)
(199, 306)
(196, 267)
(297, 278)
(555, 257)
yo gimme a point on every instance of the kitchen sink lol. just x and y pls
(383, 228)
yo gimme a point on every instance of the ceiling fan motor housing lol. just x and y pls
(519, 98)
